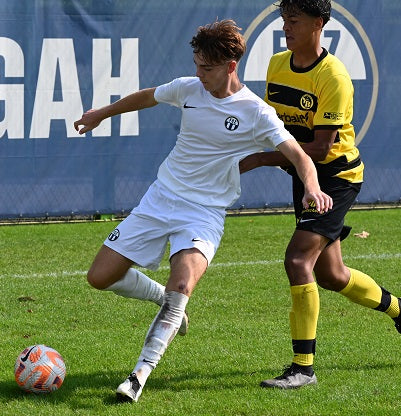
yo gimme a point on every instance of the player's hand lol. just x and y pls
(319, 199)
(89, 120)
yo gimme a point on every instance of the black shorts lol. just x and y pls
(331, 223)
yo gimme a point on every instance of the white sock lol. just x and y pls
(161, 332)
(135, 284)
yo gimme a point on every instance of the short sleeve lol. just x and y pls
(335, 102)
(269, 129)
(169, 93)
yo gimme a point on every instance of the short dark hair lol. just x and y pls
(315, 8)
(219, 42)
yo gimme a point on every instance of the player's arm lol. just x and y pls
(306, 171)
(317, 150)
(133, 102)
(322, 143)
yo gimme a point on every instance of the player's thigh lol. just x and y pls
(107, 268)
(304, 249)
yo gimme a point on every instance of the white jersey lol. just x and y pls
(215, 134)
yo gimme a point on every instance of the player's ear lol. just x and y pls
(232, 66)
(319, 23)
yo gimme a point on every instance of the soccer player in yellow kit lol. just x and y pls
(313, 95)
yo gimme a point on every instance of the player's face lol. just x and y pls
(302, 31)
(213, 77)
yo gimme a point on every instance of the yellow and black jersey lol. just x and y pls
(317, 97)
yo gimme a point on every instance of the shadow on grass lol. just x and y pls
(232, 379)
(78, 391)
(81, 386)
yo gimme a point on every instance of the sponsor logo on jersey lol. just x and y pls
(293, 119)
(333, 116)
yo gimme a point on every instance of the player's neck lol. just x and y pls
(305, 58)
(233, 86)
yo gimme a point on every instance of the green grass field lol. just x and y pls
(239, 331)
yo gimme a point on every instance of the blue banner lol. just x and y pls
(59, 58)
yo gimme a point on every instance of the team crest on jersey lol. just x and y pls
(114, 235)
(231, 123)
(343, 36)
(306, 102)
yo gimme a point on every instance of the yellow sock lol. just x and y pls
(363, 290)
(303, 322)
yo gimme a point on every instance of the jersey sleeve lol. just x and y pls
(335, 103)
(269, 129)
(169, 93)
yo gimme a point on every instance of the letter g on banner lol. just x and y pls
(343, 36)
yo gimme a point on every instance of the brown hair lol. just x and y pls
(219, 42)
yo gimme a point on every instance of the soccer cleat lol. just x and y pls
(183, 329)
(292, 378)
(397, 320)
(129, 390)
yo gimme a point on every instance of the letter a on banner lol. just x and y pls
(57, 54)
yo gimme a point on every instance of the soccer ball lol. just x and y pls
(39, 369)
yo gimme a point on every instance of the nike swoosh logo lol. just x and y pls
(23, 359)
(188, 106)
(274, 92)
(196, 239)
(306, 220)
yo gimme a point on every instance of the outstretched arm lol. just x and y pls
(307, 173)
(133, 102)
(317, 150)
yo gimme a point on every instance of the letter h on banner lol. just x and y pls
(105, 86)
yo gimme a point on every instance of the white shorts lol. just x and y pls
(163, 217)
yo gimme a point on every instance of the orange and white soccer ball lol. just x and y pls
(39, 369)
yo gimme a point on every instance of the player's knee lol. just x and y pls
(95, 280)
(184, 288)
(294, 263)
(181, 286)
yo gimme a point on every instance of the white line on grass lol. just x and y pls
(213, 265)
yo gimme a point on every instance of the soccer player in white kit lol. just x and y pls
(222, 122)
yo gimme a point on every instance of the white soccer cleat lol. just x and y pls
(292, 378)
(130, 389)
